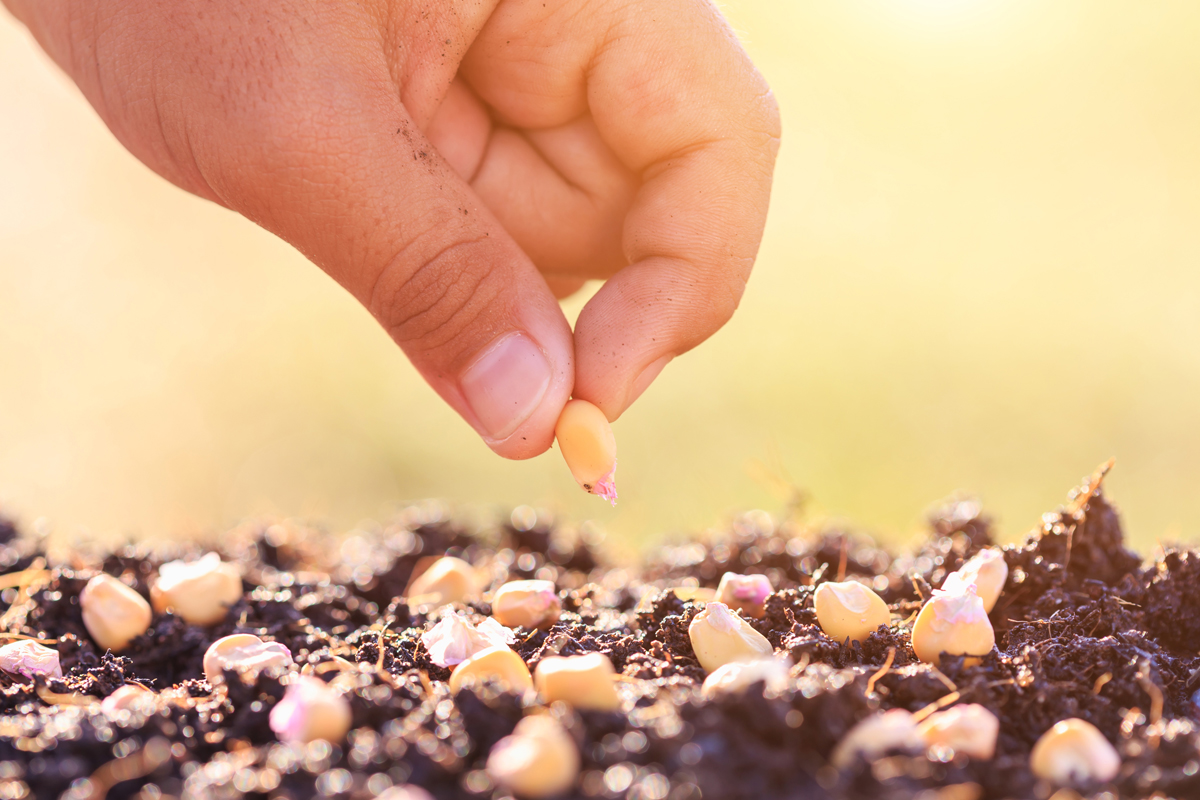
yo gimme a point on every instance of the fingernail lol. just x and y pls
(647, 376)
(505, 384)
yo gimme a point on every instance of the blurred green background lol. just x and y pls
(980, 272)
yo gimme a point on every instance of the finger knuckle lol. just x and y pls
(427, 296)
(763, 120)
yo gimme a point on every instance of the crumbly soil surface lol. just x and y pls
(1084, 628)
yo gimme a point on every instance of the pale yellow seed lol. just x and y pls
(987, 569)
(498, 664)
(113, 613)
(585, 682)
(954, 624)
(447, 580)
(849, 610)
(245, 654)
(720, 637)
(200, 592)
(539, 759)
(1074, 753)
(738, 676)
(526, 604)
(876, 735)
(129, 697)
(745, 593)
(969, 729)
(311, 710)
(588, 446)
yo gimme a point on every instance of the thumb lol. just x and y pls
(353, 184)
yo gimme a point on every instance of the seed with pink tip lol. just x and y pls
(589, 448)
(746, 593)
(310, 710)
(27, 658)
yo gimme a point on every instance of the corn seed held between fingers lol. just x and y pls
(589, 448)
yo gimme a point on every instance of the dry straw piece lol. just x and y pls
(245, 654)
(849, 610)
(527, 604)
(539, 759)
(589, 448)
(498, 664)
(720, 637)
(200, 592)
(586, 682)
(113, 613)
(987, 570)
(1074, 753)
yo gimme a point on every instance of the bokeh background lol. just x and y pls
(981, 271)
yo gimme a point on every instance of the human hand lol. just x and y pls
(455, 165)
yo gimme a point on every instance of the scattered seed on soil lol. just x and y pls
(1084, 629)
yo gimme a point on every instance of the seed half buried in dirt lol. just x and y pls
(589, 448)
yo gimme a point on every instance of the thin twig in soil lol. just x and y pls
(936, 705)
(937, 673)
(887, 665)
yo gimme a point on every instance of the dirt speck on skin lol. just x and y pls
(1084, 629)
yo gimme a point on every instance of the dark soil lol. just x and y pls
(1084, 629)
